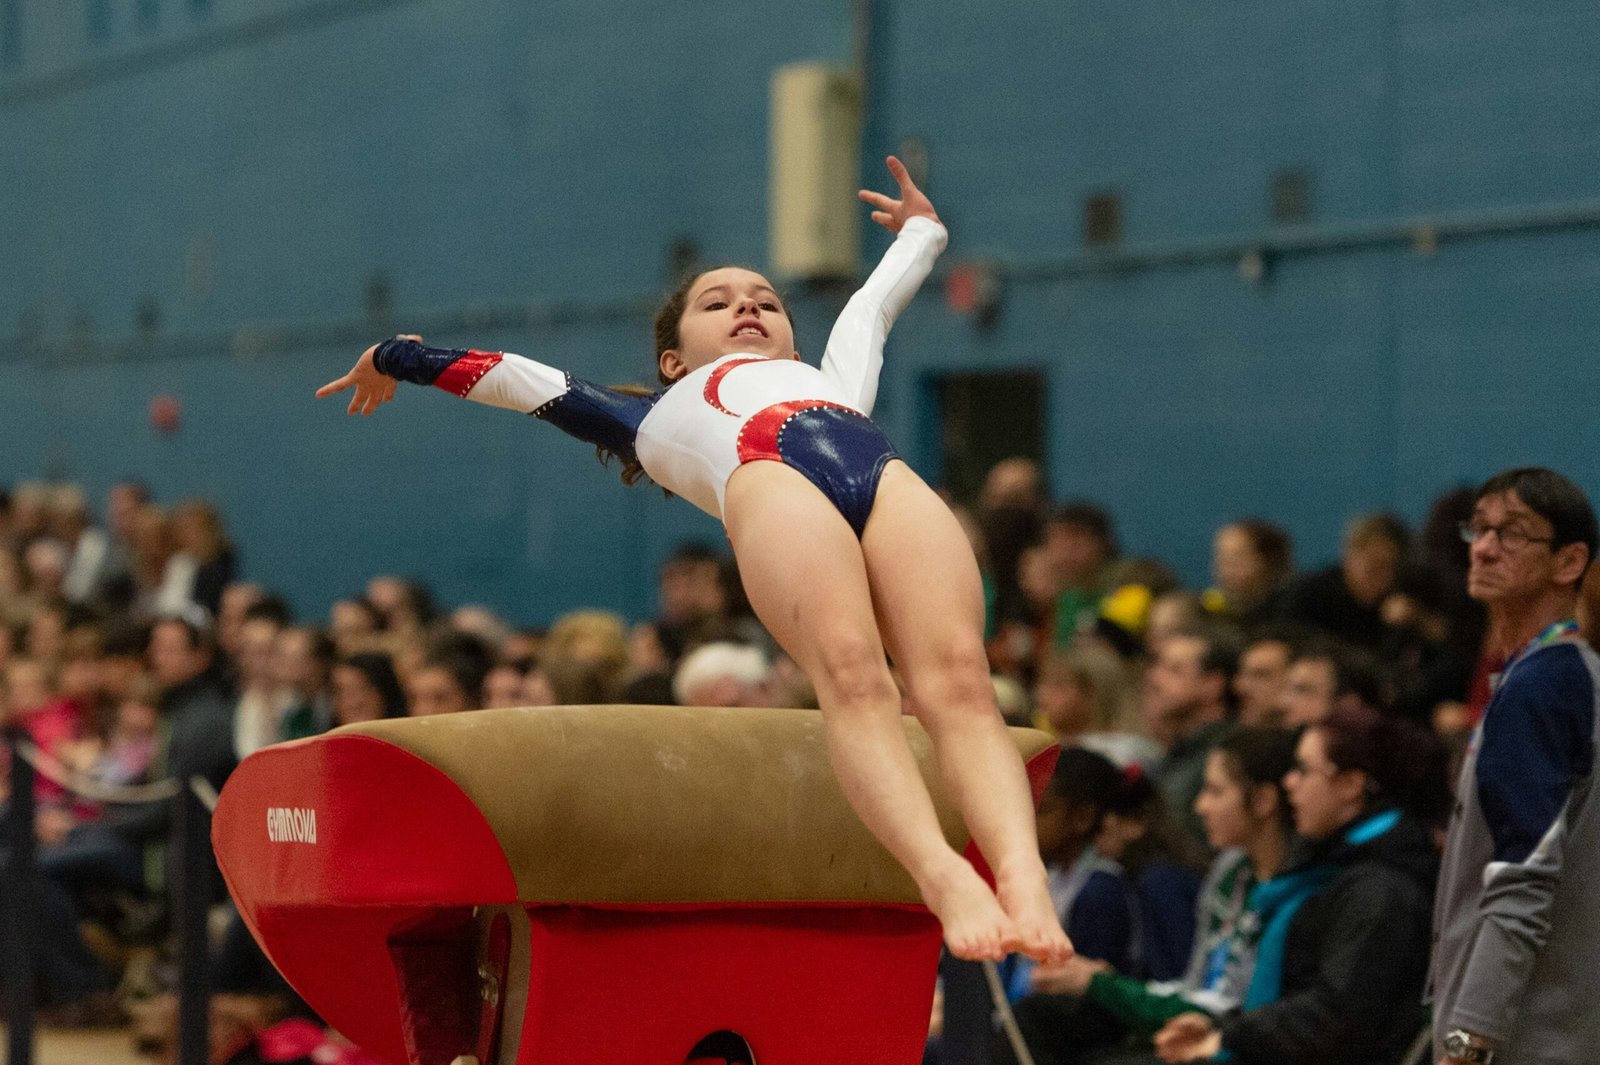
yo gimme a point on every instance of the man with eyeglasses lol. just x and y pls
(1517, 916)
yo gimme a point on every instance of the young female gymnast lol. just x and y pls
(843, 550)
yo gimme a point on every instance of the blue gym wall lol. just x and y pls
(513, 175)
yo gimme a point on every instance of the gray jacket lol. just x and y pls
(1517, 918)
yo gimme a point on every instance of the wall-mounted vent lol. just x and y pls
(813, 213)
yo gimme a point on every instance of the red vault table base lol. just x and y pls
(800, 986)
(586, 886)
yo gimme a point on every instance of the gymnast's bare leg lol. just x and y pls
(929, 602)
(814, 592)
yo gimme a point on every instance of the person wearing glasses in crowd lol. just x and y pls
(1517, 921)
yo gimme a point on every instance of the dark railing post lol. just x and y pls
(191, 905)
(20, 908)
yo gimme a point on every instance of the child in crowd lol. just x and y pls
(124, 756)
(52, 723)
(835, 538)
(1163, 863)
(71, 834)
(1096, 901)
(1082, 843)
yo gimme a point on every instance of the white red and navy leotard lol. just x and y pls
(741, 408)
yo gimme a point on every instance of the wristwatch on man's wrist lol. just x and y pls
(1462, 1045)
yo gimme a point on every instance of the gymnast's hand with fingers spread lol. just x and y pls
(373, 389)
(891, 214)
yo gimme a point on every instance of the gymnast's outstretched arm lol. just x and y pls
(602, 416)
(854, 355)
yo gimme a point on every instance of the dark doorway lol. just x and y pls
(986, 417)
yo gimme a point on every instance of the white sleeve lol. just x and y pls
(854, 355)
(519, 384)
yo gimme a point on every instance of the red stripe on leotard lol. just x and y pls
(461, 375)
(758, 437)
(714, 382)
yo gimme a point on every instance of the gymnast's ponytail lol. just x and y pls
(632, 470)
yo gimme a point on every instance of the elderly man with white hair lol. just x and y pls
(722, 673)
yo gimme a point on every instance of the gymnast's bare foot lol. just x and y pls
(975, 927)
(1024, 895)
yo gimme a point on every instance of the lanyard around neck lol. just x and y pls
(1561, 630)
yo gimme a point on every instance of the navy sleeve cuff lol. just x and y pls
(406, 360)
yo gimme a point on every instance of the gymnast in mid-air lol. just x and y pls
(843, 550)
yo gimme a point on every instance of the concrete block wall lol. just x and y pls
(225, 203)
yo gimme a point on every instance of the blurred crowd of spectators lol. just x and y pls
(1247, 818)
(131, 649)
(131, 652)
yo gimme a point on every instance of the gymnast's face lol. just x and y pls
(729, 311)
